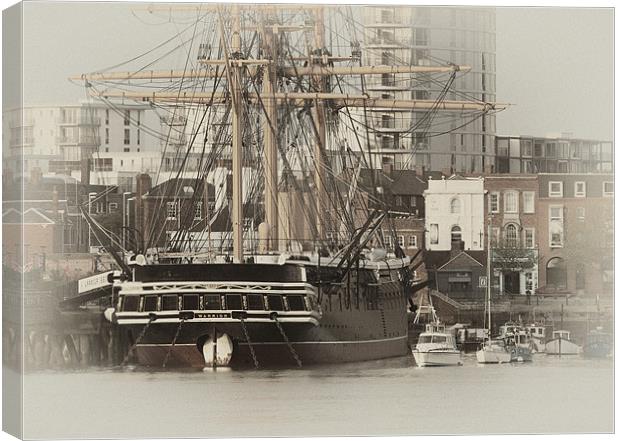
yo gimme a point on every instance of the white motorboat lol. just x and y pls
(436, 347)
(494, 351)
(561, 344)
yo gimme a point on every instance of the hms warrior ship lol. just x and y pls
(281, 107)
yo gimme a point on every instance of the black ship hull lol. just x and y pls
(363, 319)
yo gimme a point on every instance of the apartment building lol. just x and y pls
(528, 154)
(62, 138)
(575, 233)
(405, 35)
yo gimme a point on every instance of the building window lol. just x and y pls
(455, 234)
(580, 189)
(171, 210)
(413, 241)
(127, 117)
(455, 206)
(494, 205)
(556, 272)
(608, 189)
(107, 116)
(401, 241)
(434, 234)
(107, 136)
(581, 214)
(556, 226)
(556, 189)
(528, 202)
(198, 211)
(126, 139)
(138, 137)
(412, 201)
(511, 202)
(398, 200)
(530, 238)
(512, 239)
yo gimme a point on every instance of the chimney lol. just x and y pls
(419, 170)
(447, 171)
(387, 169)
(55, 204)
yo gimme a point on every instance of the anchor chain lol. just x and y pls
(247, 338)
(140, 337)
(288, 343)
(174, 341)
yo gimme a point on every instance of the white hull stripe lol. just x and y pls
(293, 342)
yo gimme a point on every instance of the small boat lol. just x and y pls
(538, 335)
(436, 347)
(518, 341)
(561, 344)
(494, 351)
(598, 344)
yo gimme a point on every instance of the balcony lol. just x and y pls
(82, 121)
(83, 140)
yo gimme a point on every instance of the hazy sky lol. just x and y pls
(554, 64)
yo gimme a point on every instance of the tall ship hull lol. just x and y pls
(269, 315)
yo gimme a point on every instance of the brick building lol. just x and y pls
(575, 233)
(511, 209)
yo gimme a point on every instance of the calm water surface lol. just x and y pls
(388, 397)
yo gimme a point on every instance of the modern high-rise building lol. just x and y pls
(76, 139)
(425, 36)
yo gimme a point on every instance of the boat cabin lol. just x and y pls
(564, 335)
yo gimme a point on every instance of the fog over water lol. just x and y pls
(389, 397)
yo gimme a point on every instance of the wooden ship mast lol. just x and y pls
(318, 66)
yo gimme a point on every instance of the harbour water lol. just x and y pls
(387, 397)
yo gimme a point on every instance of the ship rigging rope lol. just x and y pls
(247, 338)
(174, 341)
(286, 340)
(152, 318)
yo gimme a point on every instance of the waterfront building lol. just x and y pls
(575, 233)
(404, 35)
(563, 154)
(511, 209)
(61, 139)
(457, 273)
(454, 210)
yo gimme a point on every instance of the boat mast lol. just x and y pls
(489, 268)
(318, 118)
(270, 130)
(237, 136)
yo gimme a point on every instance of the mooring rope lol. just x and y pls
(174, 341)
(140, 337)
(288, 343)
(247, 337)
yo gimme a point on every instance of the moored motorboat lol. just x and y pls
(436, 347)
(561, 344)
(518, 341)
(494, 351)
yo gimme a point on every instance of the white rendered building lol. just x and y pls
(454, 212)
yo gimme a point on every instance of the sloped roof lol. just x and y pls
(182, 187)
(439, 259)
(30, 216)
